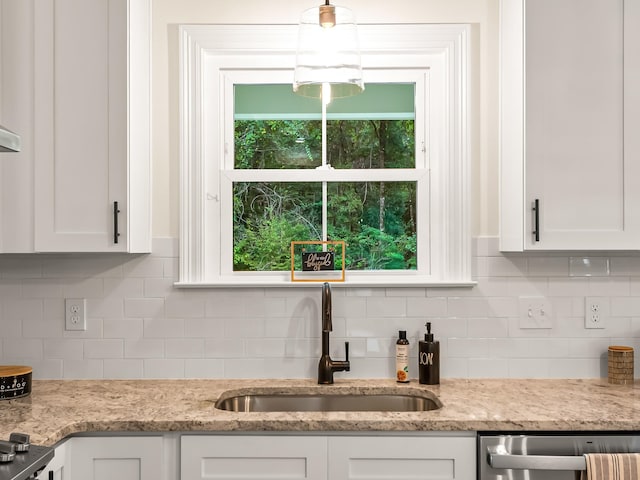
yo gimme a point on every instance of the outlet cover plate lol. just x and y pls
(596, 312)
(75, 313)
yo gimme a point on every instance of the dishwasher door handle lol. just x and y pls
(499, 457)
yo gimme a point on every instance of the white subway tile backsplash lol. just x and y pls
(624, 266)
(374, 368)
(488, 368)
(109, 348)
(20, 267)
(42, 328)
(180, 307)
(265, 347)
(488, 327)
(625, 306)
(45, 369)
(244, 327)
(203, 327)
(41, 288)
(203, 368)
(224, 348)
(163, 328)
(90, 287)
(119, 288)
(454, 368)
(123, 328)
(184, 348)
(386, 307)
(10, 328)
(142, 348)
(156, 287)
(18, 308)
(568, 287)
(141, 326)
(548, 266)
(163, 368)
(467, 307)
(9, 289)
(588, 266)
(165, 247)
(64, 348)
(427, 307)
(106, 307)
(144, 266)
(506, 266)
(609, 286)
(529, 286)
(144, 307)
(120, 368)
(347, 306)
(22, 348)
(82, 369)
(468, 347)
(530, 368)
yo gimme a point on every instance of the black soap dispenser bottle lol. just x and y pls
(429, 359)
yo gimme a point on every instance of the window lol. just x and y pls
(393, 183)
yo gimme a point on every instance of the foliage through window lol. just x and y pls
(377, 220)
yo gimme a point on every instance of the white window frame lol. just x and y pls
(213, 57)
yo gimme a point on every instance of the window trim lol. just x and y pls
(207, 50)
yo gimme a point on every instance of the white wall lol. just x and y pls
(168, 14)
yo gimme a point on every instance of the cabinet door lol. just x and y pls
(407, 457)
(121, 458)
(570, 102)
(86, 55)
(56, 469)
(253, 457)
(16, 98)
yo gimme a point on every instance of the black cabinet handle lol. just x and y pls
(116, 211)
(536, 220)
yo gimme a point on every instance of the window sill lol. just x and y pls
(384, 282)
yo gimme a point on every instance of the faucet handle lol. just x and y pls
(346, 351)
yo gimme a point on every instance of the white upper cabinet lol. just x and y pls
(570, 113)
(88, 146)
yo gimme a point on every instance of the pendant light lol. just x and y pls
(328, 56)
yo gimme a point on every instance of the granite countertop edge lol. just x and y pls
(57, 409)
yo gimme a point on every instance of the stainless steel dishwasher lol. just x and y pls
(545, 456)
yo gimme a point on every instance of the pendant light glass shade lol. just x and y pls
(328, 53)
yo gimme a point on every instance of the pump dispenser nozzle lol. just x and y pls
(428, 337)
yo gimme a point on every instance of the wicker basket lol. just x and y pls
(620, 365)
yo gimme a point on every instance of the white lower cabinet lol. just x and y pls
(121, 458)
(406, 457)
(56, 469)
(107, 458)
(253, 457)
(323, 457)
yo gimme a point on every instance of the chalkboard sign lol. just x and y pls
(316, 261)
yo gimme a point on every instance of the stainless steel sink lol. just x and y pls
(328, 402)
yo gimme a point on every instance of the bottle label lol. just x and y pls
(402, 363)
(426, 358)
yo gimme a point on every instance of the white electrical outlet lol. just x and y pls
(75, 314)
(596, 312)
(535, 312)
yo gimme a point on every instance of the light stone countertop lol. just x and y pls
(59, 408)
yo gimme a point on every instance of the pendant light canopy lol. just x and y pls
(328, 53)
